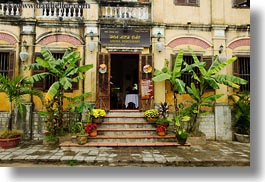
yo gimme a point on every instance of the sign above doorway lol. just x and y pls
(120, 38)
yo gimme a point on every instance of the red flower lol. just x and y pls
(90, 127)
(161, 127)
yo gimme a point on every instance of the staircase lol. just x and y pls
(126, 128)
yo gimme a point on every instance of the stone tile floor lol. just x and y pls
(214, 153)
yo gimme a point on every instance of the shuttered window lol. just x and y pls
(241, 3)
(241, 68)
(7, 60)
(46, 83)
(187, 2)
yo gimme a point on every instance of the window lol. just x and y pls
(45, 83)
(7, 60)
(241, 3)
(241, 68)
(187, 2)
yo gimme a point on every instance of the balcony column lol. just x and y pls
(27, 10)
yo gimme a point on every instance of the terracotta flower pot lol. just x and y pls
(161, 133)
(94, 133)
(9, 142)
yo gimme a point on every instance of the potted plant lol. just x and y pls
(98, 115)
(91, 129)
(161, 129)
(241, 121)
(182, 123)
(151, 115)
(82, 135)
(15, 89)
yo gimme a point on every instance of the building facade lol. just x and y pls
(125, 40)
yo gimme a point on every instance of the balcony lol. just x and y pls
(124, 12)
(7, 9)
(69, 11)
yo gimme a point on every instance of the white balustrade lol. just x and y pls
(137, 13)
(71, 11)
(9, 9)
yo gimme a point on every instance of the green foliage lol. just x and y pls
(50, 138)
(241, 109)
(206, 79)
(172, 76)
(66, 71)
(209, 78)
(10, 134)
(15, 89)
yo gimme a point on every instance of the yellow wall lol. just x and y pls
(210, 16)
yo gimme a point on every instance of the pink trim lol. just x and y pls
(8, 38)
(59, 38)
(188, 40)
(240, 42)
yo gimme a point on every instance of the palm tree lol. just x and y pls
(66, 71)
(15, 89)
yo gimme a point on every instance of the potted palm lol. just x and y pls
(241, 121)
(15, 89)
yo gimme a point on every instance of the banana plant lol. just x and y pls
(66, 71)
(208, 79)
(173, 76)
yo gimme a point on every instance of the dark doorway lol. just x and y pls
(124, 80)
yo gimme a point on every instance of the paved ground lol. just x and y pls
(209, 155)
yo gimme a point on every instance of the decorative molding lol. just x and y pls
(7, 37)
(190, 41)
(239, 42)
(59, 38)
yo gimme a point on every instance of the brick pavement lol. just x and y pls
(212, 154)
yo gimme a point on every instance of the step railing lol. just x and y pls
(7, 9)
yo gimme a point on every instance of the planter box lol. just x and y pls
(242, 138)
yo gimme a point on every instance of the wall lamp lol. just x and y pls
(91, 33)
(25, 45)
(159, 35)
(24, 55)
(221, 48)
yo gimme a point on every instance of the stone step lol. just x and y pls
(133, 138)
(124, 119)
(126, 113)
(67, 145)
(130, 124)
(126, 131)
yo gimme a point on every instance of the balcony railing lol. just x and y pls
(9, 9)
(70, 11)
(133, 13)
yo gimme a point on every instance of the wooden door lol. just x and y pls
(146, 85)
(103, 83)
